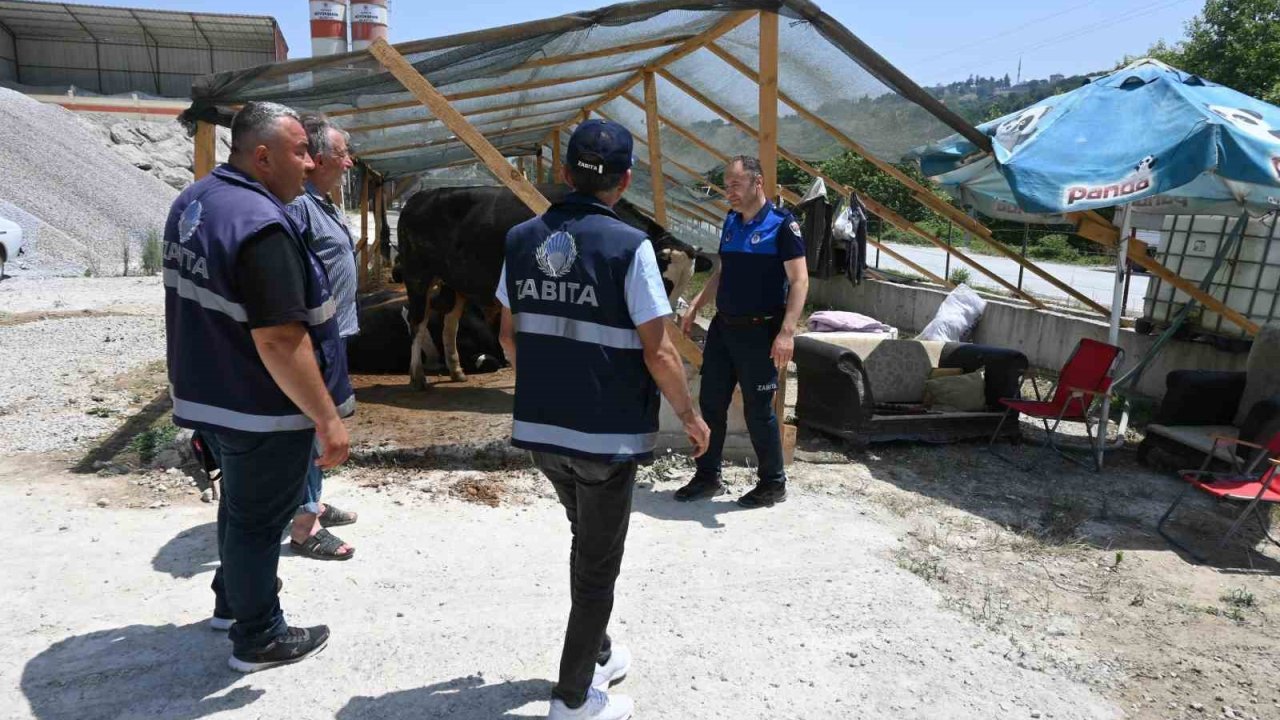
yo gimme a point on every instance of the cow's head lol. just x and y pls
(677, 260)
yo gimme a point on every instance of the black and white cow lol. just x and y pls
(456, 237)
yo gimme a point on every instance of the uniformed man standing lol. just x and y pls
(759, 290)
(584, 313)
(256, 365)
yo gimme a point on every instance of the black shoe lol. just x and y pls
(765, 494)
(294, 645)
(222, 620)
(699, 488)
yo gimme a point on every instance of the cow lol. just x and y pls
(457, 236)
(385, 338)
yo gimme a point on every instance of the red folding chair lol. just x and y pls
(1085, 378)
(1241, 483)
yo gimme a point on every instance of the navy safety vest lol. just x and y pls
(582, 388)
(216, 378)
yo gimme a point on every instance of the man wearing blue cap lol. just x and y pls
(584, 310)
(759, 291)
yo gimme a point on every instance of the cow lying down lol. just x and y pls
(384, 342)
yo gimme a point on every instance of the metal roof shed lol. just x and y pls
(109, 50)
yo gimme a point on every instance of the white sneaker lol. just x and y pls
(599, 706)
(614, 671)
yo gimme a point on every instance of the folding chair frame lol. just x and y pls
(1095, 433)
(1251, 509)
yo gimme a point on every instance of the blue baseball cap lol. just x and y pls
(600, 146)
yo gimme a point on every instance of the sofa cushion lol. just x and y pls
(1197, 437)
(896, 369)
(1262, 371)
(966, 392)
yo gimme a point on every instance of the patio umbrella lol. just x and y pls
(1147, 138)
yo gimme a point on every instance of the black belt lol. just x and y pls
(741, 320)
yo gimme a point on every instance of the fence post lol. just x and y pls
(946, 269)
(1026, 232)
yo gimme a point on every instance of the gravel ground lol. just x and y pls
(64, 178)
(64, 387)
(24, 294)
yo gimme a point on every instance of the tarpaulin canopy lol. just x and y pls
(1148, 135)
(524, 85)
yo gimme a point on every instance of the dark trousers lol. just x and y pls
(597, 498)
(739, 355)
(263, 478)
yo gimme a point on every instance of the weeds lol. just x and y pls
(100, 412)
(1063, 516)
(150, 441)
(960, 276)
(1240, 598)
(927, 569)
(152, 253)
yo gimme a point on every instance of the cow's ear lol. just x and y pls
(665, 254)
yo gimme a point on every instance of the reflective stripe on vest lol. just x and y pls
(580, 330)
(246, 422)
(594, 443)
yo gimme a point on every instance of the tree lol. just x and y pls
(1234, 43)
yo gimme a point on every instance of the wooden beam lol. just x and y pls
(689, 350)
(206, 148)
(715, 32)
(920, 193)
(768, 85)
(416, 84)
(879, 209)
(699, 177)
(907, 261)
(1096, 229)
(605, 52)
(556, 156)
(472, 114)
(488, 92)
(363, 255)
(379, 198)
(448, 141)
(655, 148)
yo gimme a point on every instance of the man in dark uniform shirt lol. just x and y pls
(759, 291)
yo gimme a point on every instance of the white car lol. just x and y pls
(10, 242)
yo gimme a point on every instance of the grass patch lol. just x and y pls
(927, 569)
(149, 442)
(100, 412)
(1063, 516)
(1240, 598)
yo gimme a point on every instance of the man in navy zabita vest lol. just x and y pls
(759, 291)
(584, 324)
(256, 366)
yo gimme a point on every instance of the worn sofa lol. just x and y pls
(868, 389)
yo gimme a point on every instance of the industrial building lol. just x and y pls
(57, 48)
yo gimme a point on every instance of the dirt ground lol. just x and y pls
(906, 581)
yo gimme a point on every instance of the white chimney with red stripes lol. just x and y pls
(328, 27)
(368, 22)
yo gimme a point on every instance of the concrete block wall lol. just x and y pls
(1046, 337)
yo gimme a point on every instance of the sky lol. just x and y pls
(933, 41)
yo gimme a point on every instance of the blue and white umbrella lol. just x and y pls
(1148, 136)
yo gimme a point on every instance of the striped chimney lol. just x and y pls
(328, 27)
(368, 22)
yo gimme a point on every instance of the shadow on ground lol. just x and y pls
(466, 698)
(189, 553)
(118, 441)
(662, 505)
(162, 671)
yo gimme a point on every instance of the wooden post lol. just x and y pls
(875, 207)
(655, 148)
(1095, 228)
(363, 257)
(206, 148)
(542, 167)
(379, 204)
(769, 103)
(418, 86)
(555, 156)
(920, 193)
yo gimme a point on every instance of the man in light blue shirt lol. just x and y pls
(330, 239)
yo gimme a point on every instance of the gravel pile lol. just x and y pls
(81, 203)
(63, 386)
(158, 147)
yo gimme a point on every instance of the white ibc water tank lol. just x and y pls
(328, 27)
(368, 23)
